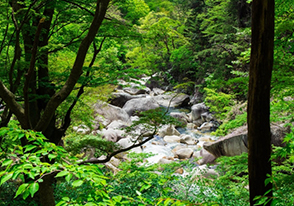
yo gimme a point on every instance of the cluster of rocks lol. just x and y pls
(132, 98)
(169, 144)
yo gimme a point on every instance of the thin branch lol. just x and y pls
(16, 108)
(107, 159)
(67, 119)
(72, 41)
(79, 6)
(3, 41)
(76, 71)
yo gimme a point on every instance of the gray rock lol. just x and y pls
(127, 142)
(206, 116)
(120, 98)
(139, 105)
(168, 130)
(112, 135)
(170, 99)
(197, 110)
(208, 126)
(157, 91)
(110, 112)
(172, 138)
(82, 129)
(184, 153)
(136, 89)
(117, 124)
(236, 142)
(187, 139)
(181, 116)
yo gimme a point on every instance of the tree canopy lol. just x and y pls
(58, 57)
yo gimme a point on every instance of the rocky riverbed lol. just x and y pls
(192, 141)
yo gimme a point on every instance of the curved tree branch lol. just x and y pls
(107, 159)
(15, 107)
(76, 71)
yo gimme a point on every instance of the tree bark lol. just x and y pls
(76, 71)
(261, 63)
(46, 123)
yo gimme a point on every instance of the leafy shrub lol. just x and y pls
(224, 128)
(218, 102)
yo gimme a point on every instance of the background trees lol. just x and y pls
(51, 54)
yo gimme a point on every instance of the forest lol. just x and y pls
(71, 69)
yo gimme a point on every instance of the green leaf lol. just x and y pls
(61, 203)
(30, 147)
(68, 177)
(90, 204)
(6, 162)
(267, 180)
(16, 174)
(138, 193)
(5, 178)
(34, 188)
(274, 202)
(52, 156)
(62, 173)
(26, 193)
(20, 189)
(77, 183)
(167, 201)
(117, 198)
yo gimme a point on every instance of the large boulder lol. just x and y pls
(197, 110)
(128, 142)
(109, 112)
(236, 142)
(205, 157)
(157, 91)
(187, 139)
(139, 105)
(170, 99)
(119, 98)
(181, 116)
(184, 153)
(228, 146)
(172, 138)
(112, 135)
(168, 130)
(117, 124)
(135, 89)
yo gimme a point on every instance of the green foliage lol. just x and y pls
(226, 189)
(224, 128)
(283, 176)
(218, 102)
(239, 84)
(133, 10)
(29, 162)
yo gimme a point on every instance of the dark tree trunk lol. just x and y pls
(45, 193)
(261, 63)
(40, 116)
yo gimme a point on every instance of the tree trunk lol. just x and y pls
(46, 192)
(261, 63)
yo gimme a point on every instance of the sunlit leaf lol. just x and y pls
(21, 189)
(34, 188)
(5, 178)
(77, 183)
